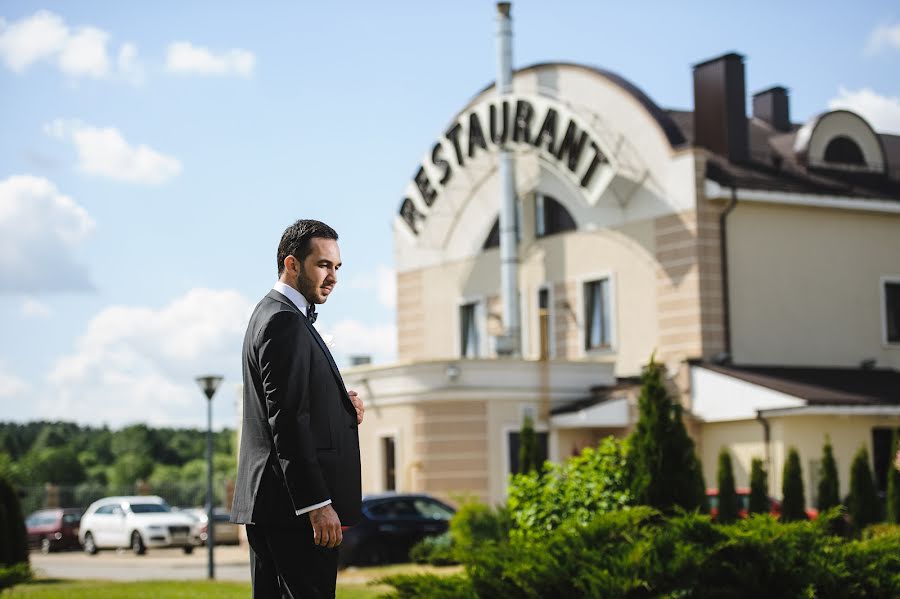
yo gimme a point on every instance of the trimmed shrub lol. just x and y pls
(759, 488)
(475, 524)
(893, 481)
(13, 575)
(828, 491)
(415, 586)
(793, 504)
(664, 470)
(594, 481)
(437, 551)
(528, 447)
(728, 503)
(862, 504)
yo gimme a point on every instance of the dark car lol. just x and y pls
(391, 524)
(54, 529)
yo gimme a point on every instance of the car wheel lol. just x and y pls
(46, 547)
(90, 547)
(137, 544)
(188, 549)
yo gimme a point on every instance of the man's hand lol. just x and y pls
(358, 404)
(326, 527)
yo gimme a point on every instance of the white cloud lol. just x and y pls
(32, 308)
(884, 37)
(105, 152)
(139, 364)
(129, 66)
(11, 387)
(383, 281)
(45, 36)
(186, 59)
(352, 337)
(40, 229)
(38, 37)
(85, 54)
(882, 112)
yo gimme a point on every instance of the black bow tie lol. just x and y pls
(311, 313)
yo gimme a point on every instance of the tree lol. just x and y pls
(793, 505)
(58, 465)
(863, 502)
(893, 481)
(528, 447)
(663, 469)
(759, 488)
(128, 469)
(828, 493)
(728, 505)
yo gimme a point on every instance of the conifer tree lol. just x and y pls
(759, 488)
(893, 481)
(862, 503)
(793, 505)
(728, 506)
(828, 493)
(664, 471)
(528, 449)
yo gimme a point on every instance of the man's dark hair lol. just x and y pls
(296, 238)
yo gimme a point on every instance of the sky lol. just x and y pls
(151, 155)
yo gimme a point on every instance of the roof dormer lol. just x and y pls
(840, 140)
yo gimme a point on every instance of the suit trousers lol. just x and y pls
(285, 563)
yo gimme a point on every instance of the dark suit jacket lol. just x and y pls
(299, 442)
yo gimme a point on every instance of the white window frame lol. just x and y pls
(580, 282)
(480, 302)
(882, 297)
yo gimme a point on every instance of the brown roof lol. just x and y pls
(822, 386)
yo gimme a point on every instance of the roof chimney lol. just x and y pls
(771, 106)
(720, 117)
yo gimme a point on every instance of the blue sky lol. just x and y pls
(152, 153)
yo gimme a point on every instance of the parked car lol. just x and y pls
(136, 522)
(391, 524)
(743, 497)
(54, 529)
(226, 531)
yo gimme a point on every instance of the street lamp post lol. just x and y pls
(209, 384)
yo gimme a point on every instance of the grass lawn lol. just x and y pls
(353, 584)
(193, 589)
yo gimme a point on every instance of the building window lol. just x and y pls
(844, 150)
(551, 217)
(470, 342)
(892, 311)
(596, 305)
(388, 453)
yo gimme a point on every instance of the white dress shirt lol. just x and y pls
(298, 300)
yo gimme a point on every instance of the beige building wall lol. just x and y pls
(806, 284)
(396, 421)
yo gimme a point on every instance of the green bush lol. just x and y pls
(862, 504)
(793, 504)
(437, 551)
(476, 524)
(828, 493)
(415, 586)
(13, 575)
(892, 500)
(592, 482)
(728, 503)
(759, 488)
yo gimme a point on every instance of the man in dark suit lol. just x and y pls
(298, 475)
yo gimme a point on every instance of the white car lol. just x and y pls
(137, 522)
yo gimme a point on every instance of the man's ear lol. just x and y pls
(291, 264)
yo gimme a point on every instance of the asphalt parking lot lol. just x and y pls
(232, 563)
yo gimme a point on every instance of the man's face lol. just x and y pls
(317, 274)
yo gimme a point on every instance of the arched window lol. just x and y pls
(844, 150)
(551, 217)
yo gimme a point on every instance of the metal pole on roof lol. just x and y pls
(510, 343)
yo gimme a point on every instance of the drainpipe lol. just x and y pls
(509, 259)
(723, 256)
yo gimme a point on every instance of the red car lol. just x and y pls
(743, 497)
(54, 529)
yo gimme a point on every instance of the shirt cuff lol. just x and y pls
(313, 507)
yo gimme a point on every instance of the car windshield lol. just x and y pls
(71, 518)
(149, 508)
